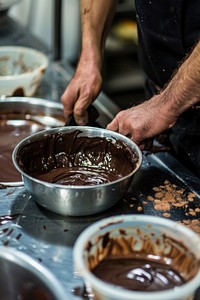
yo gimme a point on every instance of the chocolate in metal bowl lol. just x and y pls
(24, 278)
(77, 170)
(19, 118)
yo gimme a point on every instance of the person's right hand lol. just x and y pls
(82, 90)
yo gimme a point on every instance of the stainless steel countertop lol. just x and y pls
(49, 238)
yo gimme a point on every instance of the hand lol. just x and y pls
(81, 92)
(144, 121)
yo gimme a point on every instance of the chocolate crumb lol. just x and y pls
(166, 215)
(169, 195)
(139, 208)
(192, 224)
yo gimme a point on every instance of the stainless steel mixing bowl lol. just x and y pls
(71, 200)
(24, 278)
(42, 113)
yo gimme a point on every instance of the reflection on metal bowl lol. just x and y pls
(77, 170)
(24, 278)
(20, 117)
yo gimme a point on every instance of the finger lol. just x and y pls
(81, 119)
(80, 112)
(148, 144)
(113, 125)
(68, 103)
(142, 146)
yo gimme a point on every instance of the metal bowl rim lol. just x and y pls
(34, 136)
(30, 101)
(31, 265)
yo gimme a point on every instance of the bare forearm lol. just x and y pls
(96, 16)
(183, 91)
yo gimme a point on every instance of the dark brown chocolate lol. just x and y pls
(141, 261)
(15, 126)
(68, 158)
(138, 274)
(11, 133)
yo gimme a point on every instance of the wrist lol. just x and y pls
(183, 91)
(91, 56)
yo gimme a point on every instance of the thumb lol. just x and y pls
(113, 125)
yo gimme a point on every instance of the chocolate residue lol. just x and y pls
(68, 158)
(18, 92)
(192, 224)
(138, 274)
(82, 293)
(142, 261)
(14, 126)
(31, 291)
(169, 195)
(8, 218)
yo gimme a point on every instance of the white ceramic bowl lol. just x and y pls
(138, 235)
(21, 70)
(6, 4)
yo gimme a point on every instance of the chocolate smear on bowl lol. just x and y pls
(141, 261)
(138, 274)
(68, 158)
(14, 126)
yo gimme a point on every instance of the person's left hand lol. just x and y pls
(82, 90)
(144, 121)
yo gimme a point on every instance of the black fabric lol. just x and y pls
(168, 30)
(184, 137)
(185, 140)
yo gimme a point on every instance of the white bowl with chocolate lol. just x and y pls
(21, 70)
(77, 170)
(138, 257)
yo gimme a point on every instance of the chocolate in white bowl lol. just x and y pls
(138, 257)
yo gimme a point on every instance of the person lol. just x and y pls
(169, 52)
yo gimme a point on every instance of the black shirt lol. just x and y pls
(167, 31)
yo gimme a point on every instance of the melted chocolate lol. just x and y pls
(138, 274)
(141, 261)
(8, 218)
(13, 128)
(34, 293)
(72, 159)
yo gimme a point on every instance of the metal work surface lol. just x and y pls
(49, 238)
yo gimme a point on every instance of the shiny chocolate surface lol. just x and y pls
(15, 126)
(138, 274)
(72, 159)
(141, 261)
